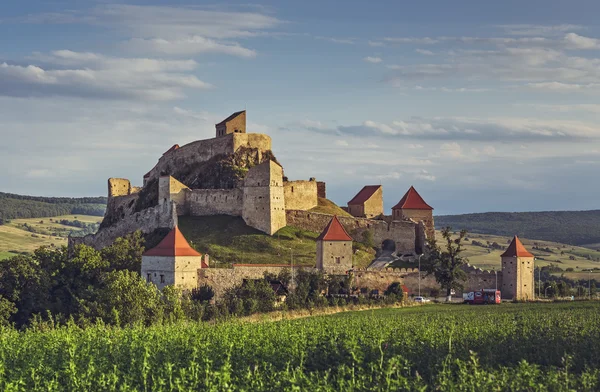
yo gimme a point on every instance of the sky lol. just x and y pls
(482, 106)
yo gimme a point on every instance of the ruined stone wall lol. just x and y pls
(222, 279)
(264, 204)
(403, 233)
(322, 189)
(119, 187)
(215, 202)
(334, 257)
(421, 215)
(300, 195)
(169, 189)
(477, 279)
(203, 150)
(148, 220)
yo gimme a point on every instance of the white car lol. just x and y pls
(420, 299)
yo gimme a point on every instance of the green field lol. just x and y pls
(15, 238)
(508, 347)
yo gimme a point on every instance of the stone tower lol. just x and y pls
(368, 203)
(172, 262)
(264, 200)
(517, 272)
(412, 206)
(334, 249)
(236, 123)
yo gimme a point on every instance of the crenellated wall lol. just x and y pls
(214, 202)
(300, 195)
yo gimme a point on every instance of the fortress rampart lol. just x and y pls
(148, 220)
(300, 195)
(404, 233)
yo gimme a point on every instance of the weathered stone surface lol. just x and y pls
(300, 195)
(334, 257)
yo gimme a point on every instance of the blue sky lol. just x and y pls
(482, 106)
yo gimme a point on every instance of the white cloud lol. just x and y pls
(374, 60)
(376, 43)
(341, 143)
(90, 75)
(425, 175)
(575, 41)
(186, 46)
(539, 30)
(424, 52)
(412, 40)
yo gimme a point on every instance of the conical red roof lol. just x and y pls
(334, 232)
(413, 201)
(174, 244)
(516, 249)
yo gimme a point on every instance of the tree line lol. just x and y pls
(568, 227)
(19, 206)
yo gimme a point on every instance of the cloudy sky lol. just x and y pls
(482, 106)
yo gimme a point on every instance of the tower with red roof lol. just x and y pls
(368, 203)
(517, 272)
(172, 262)
(334, 249)
(413, 207)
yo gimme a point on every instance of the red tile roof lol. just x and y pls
(174, 244)
(412, 201)
(173, 148)
(364, 194)
(516, 249)
(334, 232)
(234, 115)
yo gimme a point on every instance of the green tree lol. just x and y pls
(126, 252)
(446, 264)
(394, 290)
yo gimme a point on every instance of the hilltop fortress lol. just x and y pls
(236, 173)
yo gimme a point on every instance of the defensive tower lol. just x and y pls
(236, 123)
(412, 206)
(517, 272)
(334, 249)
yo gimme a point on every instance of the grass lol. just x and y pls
(14, 238)
(326, 206)
(227, 239)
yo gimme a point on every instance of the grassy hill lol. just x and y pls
(19, 206)
(26, 235)
(568, 227)
(227, 239)
(326, 206)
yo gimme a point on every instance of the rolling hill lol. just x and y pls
(568, 227)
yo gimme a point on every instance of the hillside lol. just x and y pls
(26, 235)
(567, 227)
(227, 239)
(18, 206)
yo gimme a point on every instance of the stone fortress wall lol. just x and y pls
(300, 195)
(404, 233)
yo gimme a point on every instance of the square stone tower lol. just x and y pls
(264, 199)
(368, 203)
(334, 249)
(517, 272)
(236, 123)
(412, 206)
(172, 262)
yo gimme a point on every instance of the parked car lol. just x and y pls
(420, 299)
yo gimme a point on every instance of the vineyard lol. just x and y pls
(508, 347)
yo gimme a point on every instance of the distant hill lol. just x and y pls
(567, 227)
(18, 206)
